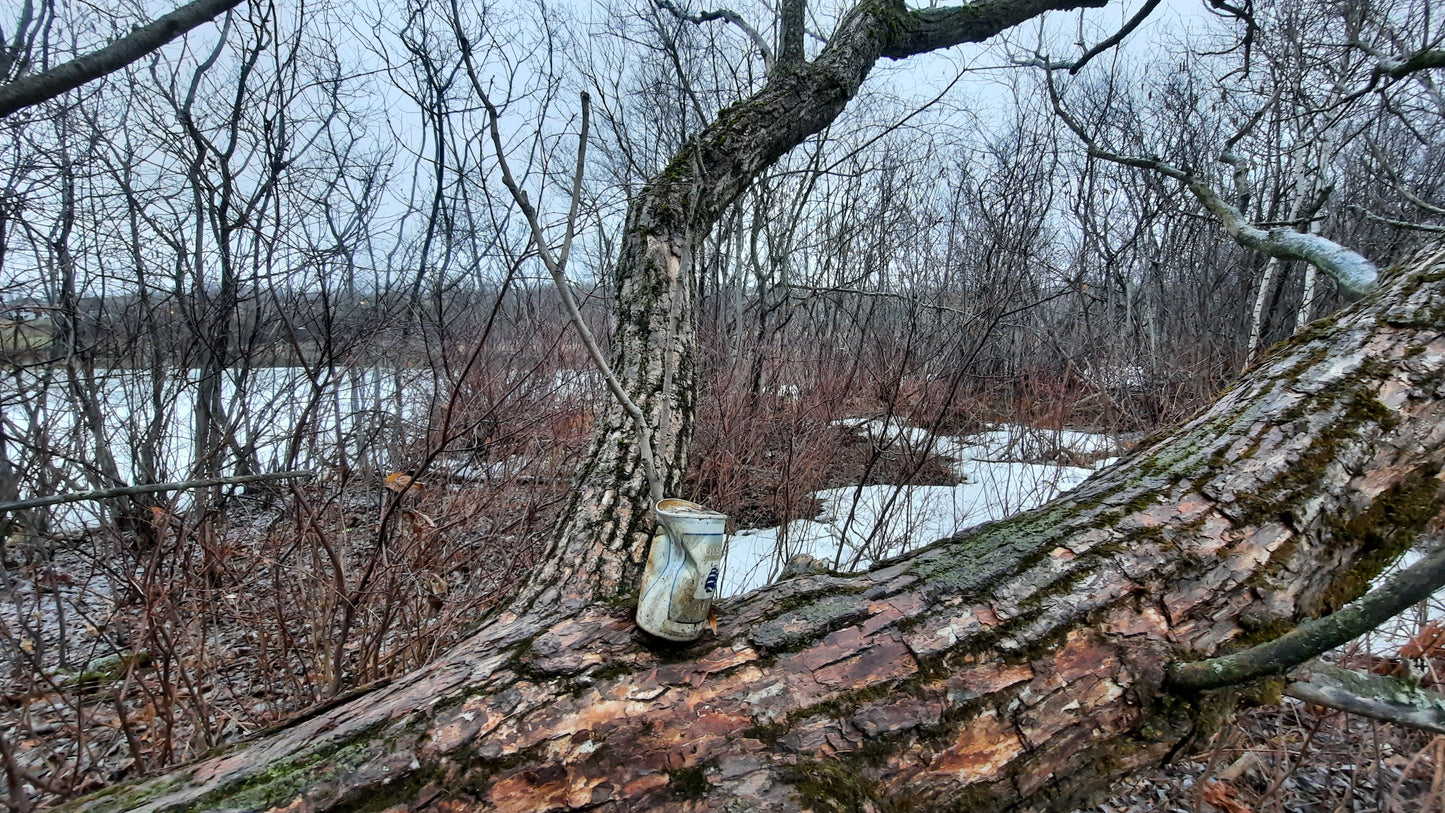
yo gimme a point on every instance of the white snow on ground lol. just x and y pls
(1004, 471)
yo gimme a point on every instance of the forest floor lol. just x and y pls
(1296, 758)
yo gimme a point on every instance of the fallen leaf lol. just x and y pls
(1222, 796)
(1429, 642)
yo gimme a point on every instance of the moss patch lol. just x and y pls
(690, 783)
(832, 786)
(1390, 527)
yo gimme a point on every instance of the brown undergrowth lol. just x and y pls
(130, 652)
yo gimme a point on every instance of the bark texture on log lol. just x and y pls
(1020, 666)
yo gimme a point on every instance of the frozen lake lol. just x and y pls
(283, 417)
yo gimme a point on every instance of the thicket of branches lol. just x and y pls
(282, 243)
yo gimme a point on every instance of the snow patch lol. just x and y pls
(1003, 473)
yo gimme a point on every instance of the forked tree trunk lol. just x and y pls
(1020, 666)
(600, 544)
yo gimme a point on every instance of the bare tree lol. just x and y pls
(1026, 665)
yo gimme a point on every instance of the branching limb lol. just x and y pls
(36, 88)
(1243, 187)
(1245, 14)
(1375, 696)
(728, 16)
(1074, 66)
(1354, 274)
(1314, 638)
(1350, 270)
(556, 265)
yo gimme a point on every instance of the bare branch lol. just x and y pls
(1117, 38)
(1399, 224)
(36, 88)
(1349, 269)
(153, 488)
(726, 15)
(556, 267)
(1244, 14)
(1399, 183)
(1243, 188)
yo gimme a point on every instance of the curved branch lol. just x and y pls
(727, 15)
(36, 88)
(1312, 639)
(1348, 268)
(1354, 274)
(1399, 224)
(1374, 696)
(1118, 37)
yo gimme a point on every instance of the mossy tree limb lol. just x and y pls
(1320, 635)
(1379, 697)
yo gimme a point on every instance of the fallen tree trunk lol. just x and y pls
(1020, 666)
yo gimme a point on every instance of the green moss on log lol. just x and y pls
(834, 786)
(1390, 526)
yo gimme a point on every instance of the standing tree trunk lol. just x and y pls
(600, 544)
(1018, 667)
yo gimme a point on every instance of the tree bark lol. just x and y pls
(1021, 666)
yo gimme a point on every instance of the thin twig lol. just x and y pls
(556, 266)
(129, 491)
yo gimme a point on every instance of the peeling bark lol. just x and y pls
(1021, 666)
